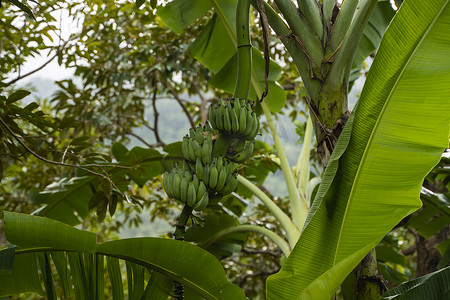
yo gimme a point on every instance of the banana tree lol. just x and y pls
(373, 171)
(371, 162)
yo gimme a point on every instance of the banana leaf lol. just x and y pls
(164, 261)
(394, 138)
(432, 286)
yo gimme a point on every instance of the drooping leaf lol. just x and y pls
(171, 259)
(400, 128)
(23, 277)
(30, 231)
(432, 286)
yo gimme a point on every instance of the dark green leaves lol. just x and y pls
(173, 259)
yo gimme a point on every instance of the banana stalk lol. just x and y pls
(244, 49)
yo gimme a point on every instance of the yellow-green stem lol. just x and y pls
(299, 208)
(251, 228)
(291, 229)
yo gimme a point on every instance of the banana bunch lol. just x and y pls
(235, 117)
(219, 176)
(185, 186)
(198, 144)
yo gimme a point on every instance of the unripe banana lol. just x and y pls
(195, 181)
(255, 127)
(221, 180)
(191, 133)
(176, 185)
(201, 191)
(183, 190)
(191, 150)
(199, 135)
(234, 119)
(213, 176)
(206, 174)
(206, 150)
(191, 195)
(242, 119)
(200, 205)
(227, 120)
(185, 147)
(188, 175)
(229, 167)
(219, 163)
(212, 116)
(249, 124)
(228, 188)
(197, 148)
(167, 184)
(220, 111)
(199, 168)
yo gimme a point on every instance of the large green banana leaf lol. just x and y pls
(432, 286)
(400, 128)
(200, 272)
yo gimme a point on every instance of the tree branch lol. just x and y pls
(180, 102)
(155, 123)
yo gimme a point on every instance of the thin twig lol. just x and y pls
(58, 50)
(141, 139)
(180, 102)
(155, 123)
(82, 167)
(204, 102)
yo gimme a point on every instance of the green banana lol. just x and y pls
(242, 119)
(191, 150)
(183, 190)
(227, 120)
(219, 163)
(176, 185)
(212, 116)
(229, 167)
(213, 176)
(221, 180)
(185, 147)
(201, 191)
(199, 168)
(249, 124)
(191, 133)
(200, 205)
(220, 112)
(199, 135)
(166, 184)
(206, 174)
(206, 150)
(188, 175)
(255, 127)
(234, 119)
(191, 195)
(228, 188)
(195, 181)
(197, 148)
